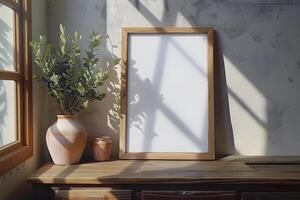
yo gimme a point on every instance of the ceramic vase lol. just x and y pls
(102, 148)
(66, 140)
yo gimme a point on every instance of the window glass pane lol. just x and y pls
(7, 112)
(6, 38)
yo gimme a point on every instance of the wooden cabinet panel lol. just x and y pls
(162, 180)
(188, 195)
(92, 194)
(271, 196)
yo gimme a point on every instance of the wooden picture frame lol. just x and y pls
(128, 35)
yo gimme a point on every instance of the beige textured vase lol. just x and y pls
(66, 140)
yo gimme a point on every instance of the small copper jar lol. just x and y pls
(102, 148)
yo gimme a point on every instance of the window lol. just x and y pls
(15, 84)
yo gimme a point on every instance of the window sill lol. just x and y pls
(15, 158)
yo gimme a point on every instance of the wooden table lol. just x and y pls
(203, 180)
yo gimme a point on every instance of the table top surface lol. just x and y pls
(166, 172)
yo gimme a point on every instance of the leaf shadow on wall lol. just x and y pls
(5, 61)
(143, 105)
(223, 127)
(108, 108)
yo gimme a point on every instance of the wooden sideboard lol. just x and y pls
(163, 180)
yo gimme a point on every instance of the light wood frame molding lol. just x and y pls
(123, 154)
(17, 152)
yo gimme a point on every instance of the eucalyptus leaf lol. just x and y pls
(71, 77)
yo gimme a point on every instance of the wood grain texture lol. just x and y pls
(123, 154)
(10, 148)
(92, 194)
(192, 195)
(167, 29)
(276, 167)
(16, 154)
(271, 196)
(12, 4)
(169, 155)
(211, 104)
(264, 159)
(123, 99)
(7, 75)
(164, 172)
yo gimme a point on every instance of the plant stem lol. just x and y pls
(62, 107)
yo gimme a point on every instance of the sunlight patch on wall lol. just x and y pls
(248, 111)
(180, 19)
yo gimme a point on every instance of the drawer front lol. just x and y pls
(271, 196)
(92, 194)
(188, 195)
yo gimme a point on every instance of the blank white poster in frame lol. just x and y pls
(167, 94)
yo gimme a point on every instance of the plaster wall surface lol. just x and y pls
(257, 71)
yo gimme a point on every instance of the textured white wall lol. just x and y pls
(259, 54)
(257, 102)
(13, 184)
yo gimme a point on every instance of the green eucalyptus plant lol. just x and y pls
(72, 79)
